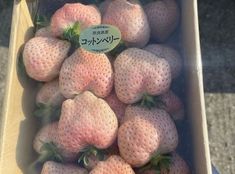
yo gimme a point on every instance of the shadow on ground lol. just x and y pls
(217, 29)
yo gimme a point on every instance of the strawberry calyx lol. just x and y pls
(47, 113)
(72, 34)
(158, 163)
(48, 152)
(40, 21)
(148, 101)
(88, 152)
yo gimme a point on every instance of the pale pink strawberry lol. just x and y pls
(70, 14)
(48, 134)
(86, 71)
(163, 17)
(52, 167)
(130, 18)
(144, 133)
(170, 54)
(117, 106)
(177, 166)
(44, 56)
(87, 121)
(139, 73)
(173, 105)
(44, 32)
(113, 165)
(49, 94)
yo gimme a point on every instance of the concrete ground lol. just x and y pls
(218, 52)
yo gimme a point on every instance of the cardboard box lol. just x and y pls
(19, 127)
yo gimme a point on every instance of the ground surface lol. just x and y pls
(218, 52)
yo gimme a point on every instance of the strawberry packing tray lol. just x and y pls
(19, 127)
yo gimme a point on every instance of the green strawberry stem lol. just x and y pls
(48, 152)
(72, 34)
(90, 151)
(40, 21)
(148, 101)
(158, 163)
(47, 113)
(152, 101)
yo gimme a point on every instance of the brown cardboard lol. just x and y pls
(18, 125)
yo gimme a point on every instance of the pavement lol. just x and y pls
(217, 30)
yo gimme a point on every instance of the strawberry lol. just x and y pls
(86, 122)
(144, 133)
(130, 18)
(49, 100)
(168, 53)
(166, 164)
(49, 94)
(114, 165)
(71, 18)
(46, 143)
(163, 17)
(86, 71)
(173, 105)
(116, 105)
(138, 74)
(52, 167)
(44, 32)
(44, 56)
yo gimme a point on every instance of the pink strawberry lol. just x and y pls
(173, 105)
(49, 101)
(66, 18)
(130, 18)
(138, 74)
(86, 71)
(52, 167)
(144, 133)
(44, 56)
(168, 53)
(163, 17)
(113, 165)
(87, 121)
(173, 165)
(44, 32)
(46, 143)
(116, 105)
(50, 94)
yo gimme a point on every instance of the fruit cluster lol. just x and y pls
(107, 113)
